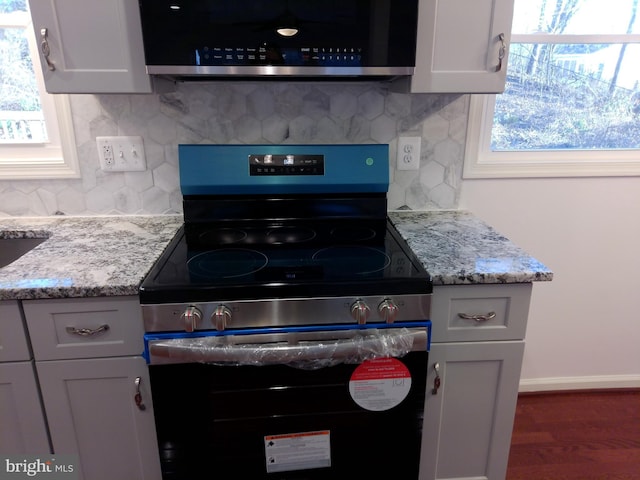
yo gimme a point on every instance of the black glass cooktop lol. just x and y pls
(231, 262)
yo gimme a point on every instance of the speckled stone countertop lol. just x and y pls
(109, 256)
(457, 248)
(84, 256)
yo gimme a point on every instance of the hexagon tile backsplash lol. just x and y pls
(224, 112)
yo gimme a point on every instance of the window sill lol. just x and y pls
(585, 165)
(35, 171)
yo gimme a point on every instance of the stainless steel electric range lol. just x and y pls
(288, 321)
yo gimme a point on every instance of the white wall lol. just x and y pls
(584, 326)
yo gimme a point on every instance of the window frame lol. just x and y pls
(56, 158)
(481, 162)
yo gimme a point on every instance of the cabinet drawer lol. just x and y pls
(84, 328)
(464, 313)
(13, 339)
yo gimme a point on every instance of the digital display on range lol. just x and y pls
(284, 165)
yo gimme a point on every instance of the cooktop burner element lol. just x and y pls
(226, 263)
(271, 235)
(289, 235)
(222, 236)
(353, 234)
(352, 260)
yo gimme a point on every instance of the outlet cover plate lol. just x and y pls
(408, 154)
(121, 154)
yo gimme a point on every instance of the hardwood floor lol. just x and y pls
(576, 436)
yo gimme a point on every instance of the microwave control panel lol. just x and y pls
(338, 56)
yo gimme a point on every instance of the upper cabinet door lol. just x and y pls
(90, 46)
(460, 43)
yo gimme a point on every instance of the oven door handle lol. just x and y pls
(307, 354)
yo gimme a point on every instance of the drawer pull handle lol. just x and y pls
(478, 318)
(87, 332)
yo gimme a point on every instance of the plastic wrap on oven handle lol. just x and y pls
(309, 355)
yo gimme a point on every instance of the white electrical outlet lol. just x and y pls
(121, 154)
(408, 154)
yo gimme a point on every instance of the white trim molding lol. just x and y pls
(598, 382)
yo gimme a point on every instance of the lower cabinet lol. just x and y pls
(476, 355)
(23, 429)
(87, 358)
(22, 426)
(469, 419)
(92, 411)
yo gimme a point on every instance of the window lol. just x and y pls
(571, 106)
(36, 136)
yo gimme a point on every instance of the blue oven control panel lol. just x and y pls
(283, 169)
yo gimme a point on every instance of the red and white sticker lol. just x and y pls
(380, 384)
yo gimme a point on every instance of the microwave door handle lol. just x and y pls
(323, 353)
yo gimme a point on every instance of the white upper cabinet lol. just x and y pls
(90, 46)
(460, 43)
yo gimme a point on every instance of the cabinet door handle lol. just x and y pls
(436, 381)
(87, 332)
(501, 52)
(478, 318)
(44, 48)
(138, 396)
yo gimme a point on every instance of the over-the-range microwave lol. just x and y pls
(279, 38)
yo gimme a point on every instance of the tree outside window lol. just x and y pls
(21, 117)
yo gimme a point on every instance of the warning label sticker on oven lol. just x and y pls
(380, 384)
(297, 451)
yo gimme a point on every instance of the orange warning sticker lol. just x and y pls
(380, 384)
(297, 451)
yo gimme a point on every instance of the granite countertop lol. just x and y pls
(457, 248)
(84, 256)
(109, 256)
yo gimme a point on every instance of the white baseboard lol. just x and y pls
(579, 383)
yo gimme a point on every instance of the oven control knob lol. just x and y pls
(360, 312)
(221, 317)
(388, 310)
(191, 317)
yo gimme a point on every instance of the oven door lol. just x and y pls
(295, 404)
